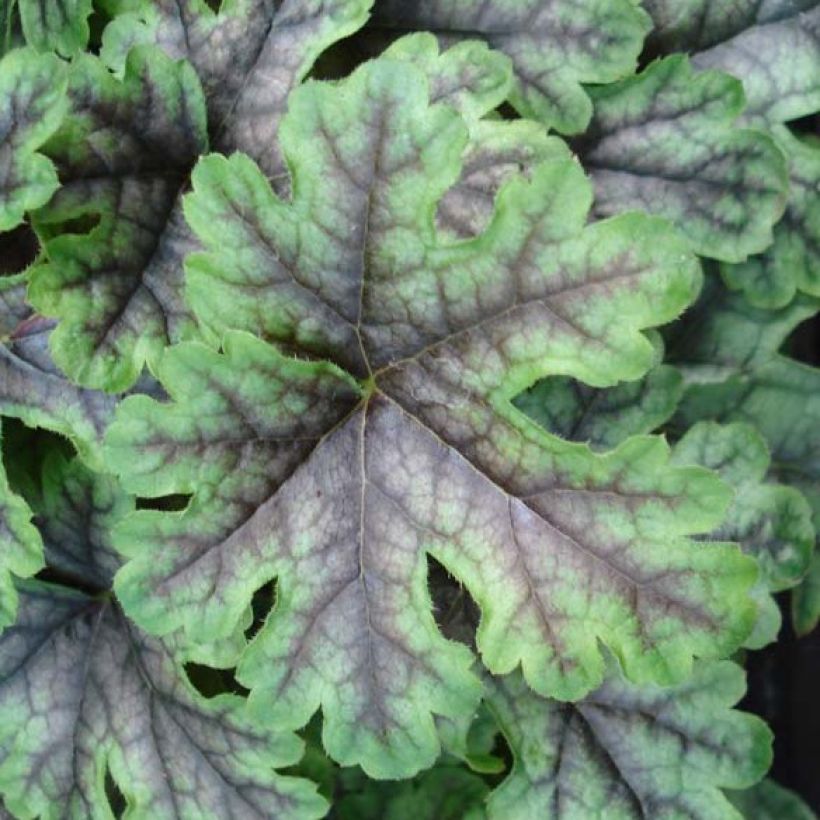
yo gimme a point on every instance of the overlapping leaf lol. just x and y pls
(21, 549)
(770, 801)
(249, 56)
(55, 25)
(32, 104)
(664, 141)
(339, 487)
(555, 47)
(793, 262)
(31, 386)
(125, 153)
(625, 751)
(771, 46)
(729, 353)
(772, 522)
(84, 693)
(603, 417)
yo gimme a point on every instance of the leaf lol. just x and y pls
(123, 153)
(249, 56)
(626, 751)
(665, 141)
(749, 39)
(772, 522)
(32, 104)
(83, 693)
(554, 47)
(770, 801)
(31, 386)
(806, 599)
(603, 417)
(445, 792)
(338, 487)
(21, 549)
(56, 25)
(792, 263)
(117, 290)
(728, 351)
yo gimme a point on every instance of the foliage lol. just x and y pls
(377, 451)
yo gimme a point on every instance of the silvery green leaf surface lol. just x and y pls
(666, 141)
(32, 104)
(625, 751)
(248, 55)
(791, 264)
(554, 47)
(771, 46)
(381, 429)
(604, 416)
(21, 548)
(729, 353)
(772, 522)
(33, 389)
(86, 695)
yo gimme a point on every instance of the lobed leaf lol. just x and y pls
(791, 264)
(772, 47)
(123, 153)
(84, 694)
(32, 105)
(554, 47)
(339, 482)
(665, 141)
(248, 55)
(728, 351)
(772, 522)
(625, 751)
(21, 548)
(56, 25)
(604, 416)
(33, 389)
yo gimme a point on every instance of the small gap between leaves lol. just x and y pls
(18, 249)
(803, 343)
(166, 503)
(261, 605)
(454, 609)
(50, 575)
(116, 799)
(210, 682)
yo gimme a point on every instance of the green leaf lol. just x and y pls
(793, 262)
(249, 56)
(84, 693)
(603, 417)
(56, 25)
(806, 599)
(338, 487)
(123, 152)
(728, 352)
(772, 522)
(445, 792)
(626, 751)
(554, 47)
(664, 141)
(772, 47)
(31, 386)
(475, 80)
(32, 105)
(770, 801)
(21, 548)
